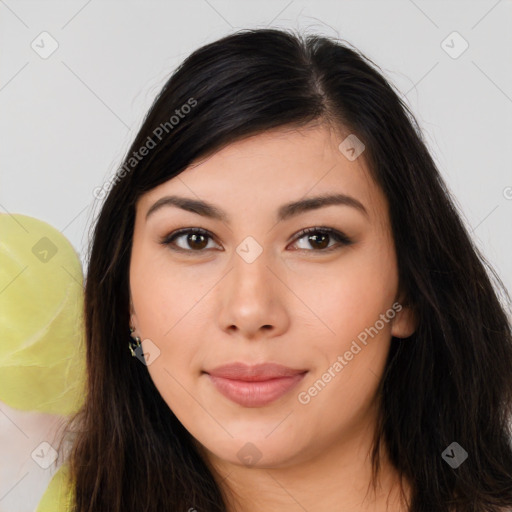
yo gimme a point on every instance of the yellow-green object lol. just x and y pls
(42, 353)
(58, 496)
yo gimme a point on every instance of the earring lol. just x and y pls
(133, 345)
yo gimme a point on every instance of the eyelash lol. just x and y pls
(338, 236)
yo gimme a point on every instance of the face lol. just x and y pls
(249, 286)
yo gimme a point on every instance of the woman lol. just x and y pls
(283, 308)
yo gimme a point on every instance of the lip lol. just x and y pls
(254, 386)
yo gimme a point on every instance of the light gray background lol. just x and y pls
(67, 121)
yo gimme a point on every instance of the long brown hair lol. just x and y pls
(451, 381)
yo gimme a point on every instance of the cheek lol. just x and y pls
(165, 300)
(163, 294)
(356, 290)
(179, 340)
(167, 309)
(352, 357)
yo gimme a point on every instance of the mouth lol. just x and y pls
(254, 386)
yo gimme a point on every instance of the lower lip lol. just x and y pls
(255, 394)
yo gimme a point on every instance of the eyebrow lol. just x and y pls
(285, 212)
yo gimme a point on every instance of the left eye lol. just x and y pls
(197, 239)
(319, 237)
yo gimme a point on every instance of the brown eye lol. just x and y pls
(319, 239)
(196, 241)
(192, 240)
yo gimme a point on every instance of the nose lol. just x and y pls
(253, 299)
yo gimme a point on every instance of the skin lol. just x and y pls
(295, 304)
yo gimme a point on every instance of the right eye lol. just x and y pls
(195, 238)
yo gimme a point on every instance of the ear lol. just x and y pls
(405, 322)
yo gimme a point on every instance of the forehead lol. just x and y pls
(273, 168)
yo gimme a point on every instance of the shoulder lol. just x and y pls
(58, 494)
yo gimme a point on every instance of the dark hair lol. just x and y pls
(451, 381)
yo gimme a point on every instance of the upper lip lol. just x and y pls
(253, 373)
